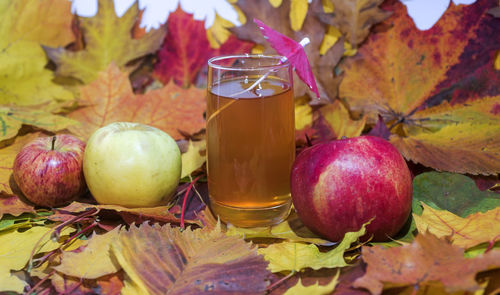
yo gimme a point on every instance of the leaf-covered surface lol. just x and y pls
(110, 99)
(299, 288)
(276, 18)
(158, 259)
(186, 50)
(108, 39)
(465, 232)
(403, 74)
(425, 261)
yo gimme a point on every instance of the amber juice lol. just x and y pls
(250, 150)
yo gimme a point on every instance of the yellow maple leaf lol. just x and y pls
(219, 32)
(299, 289)
(337, 116)
(94, 260)
(466, 232)
(108, 39)
(16, 249)
(288, 256)
(194, 157)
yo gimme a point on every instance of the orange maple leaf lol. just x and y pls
(110, 99)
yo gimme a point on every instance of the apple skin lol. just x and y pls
(48, 170)
(338, 186)
(132, 165)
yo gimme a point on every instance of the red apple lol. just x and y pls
(340, 185)
(48, 170)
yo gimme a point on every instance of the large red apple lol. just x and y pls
(340, 185)
(48, 170)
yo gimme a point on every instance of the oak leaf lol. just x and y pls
(404, 75)
(186, 49)
(158, 259)
(322, 64)
(290, 256)
(425, 261)
(16, 248)
(94, 260)
(110, 99)
(108, 39)
(466, 232)
(355, 18)
(299, 289)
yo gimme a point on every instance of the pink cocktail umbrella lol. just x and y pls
(292, 51)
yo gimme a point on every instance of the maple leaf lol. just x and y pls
(13, 118)
(108, 39)
(466, 232)
(186, 49)
(290, 230)
(425, 261)
(25, 25)
(404, 74)
(188, 262)
(297, 256)
(7, 157)
(322, 65)
(110, 99)
(194, 157)
(16, 248)
(94, 260)
(455, 193)
(355, 18)
(299, 289)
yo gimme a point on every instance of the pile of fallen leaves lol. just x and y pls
(434, 94)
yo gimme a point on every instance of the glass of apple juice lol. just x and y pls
(250, 138)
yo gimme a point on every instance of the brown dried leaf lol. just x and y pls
(425, 261)
(277, 18)
(355, 18)
(158, 259)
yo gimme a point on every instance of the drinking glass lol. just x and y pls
(250, 138)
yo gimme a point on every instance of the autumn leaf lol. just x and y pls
(290, 256)
(108, 39)
(404, 75)
(94, 260)
(186, 49)
(355, 18)
(13, 118)
(16, 248)
(158, 259)
(299, 289)
(109, 285)
(7, 156)
(110, 99)
(159, 213)
(194, 157)
(219, 32)
(426, 261)
(466, 232)
(290, 230)
(277, 18)
(455, 193)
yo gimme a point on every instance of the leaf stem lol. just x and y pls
(185, 200)
(279, 282)
(37, 285)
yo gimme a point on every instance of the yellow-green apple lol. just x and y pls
(48, 170)
(132, 165)
(340, 185)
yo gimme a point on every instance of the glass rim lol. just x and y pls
(279, 58)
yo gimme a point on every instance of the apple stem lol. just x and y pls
(53, 142)
(185, 200)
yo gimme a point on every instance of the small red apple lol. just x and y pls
(340, 185)
(48, 170)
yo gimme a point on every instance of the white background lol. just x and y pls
(425, 13)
